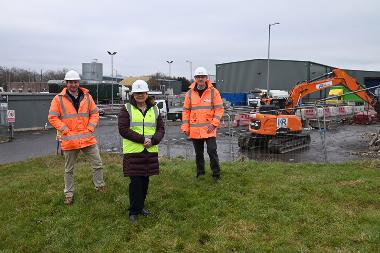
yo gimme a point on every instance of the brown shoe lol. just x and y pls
(69, 201)
(101, 189)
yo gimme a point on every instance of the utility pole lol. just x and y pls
(170, 68)
(111, 54)
(269, 26)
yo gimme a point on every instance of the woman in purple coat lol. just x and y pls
(142, 128)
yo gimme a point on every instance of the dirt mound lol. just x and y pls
(373, 145)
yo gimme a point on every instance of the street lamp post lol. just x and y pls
(112, 54)
(191, 69)
(269, 26)
(170, 67)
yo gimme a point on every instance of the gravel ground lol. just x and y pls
(343, 142)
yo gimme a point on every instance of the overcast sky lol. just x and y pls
(56, 34)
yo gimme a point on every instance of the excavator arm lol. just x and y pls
(336, 77)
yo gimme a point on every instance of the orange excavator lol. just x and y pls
(280, 130)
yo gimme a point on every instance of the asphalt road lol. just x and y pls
(342, 143)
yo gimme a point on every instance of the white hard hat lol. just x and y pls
(139, 86)
(72, 75)
(200, 71)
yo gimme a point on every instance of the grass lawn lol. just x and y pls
(256, 207)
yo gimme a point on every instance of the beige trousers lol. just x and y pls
(92, 152)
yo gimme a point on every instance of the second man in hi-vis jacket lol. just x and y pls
(202, 112)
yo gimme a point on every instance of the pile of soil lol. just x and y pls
(373, 145)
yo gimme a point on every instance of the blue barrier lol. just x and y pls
(235, 98)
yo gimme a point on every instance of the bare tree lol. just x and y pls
(14, 74)
(54, 75)
(157, 79)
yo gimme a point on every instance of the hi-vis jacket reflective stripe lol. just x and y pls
(75, 127)
(199, 112)
(143, 125)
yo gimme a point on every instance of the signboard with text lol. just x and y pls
(11, 116)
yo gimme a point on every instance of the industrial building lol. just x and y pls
(240, 77)
(100, 87)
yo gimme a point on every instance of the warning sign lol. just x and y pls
(11, 116)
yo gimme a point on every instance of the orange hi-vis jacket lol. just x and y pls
(75, 127)
(199, 112)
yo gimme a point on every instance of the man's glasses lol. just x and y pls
(72, 81)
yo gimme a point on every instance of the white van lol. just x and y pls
(169, 113)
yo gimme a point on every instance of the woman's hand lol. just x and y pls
(147, 143)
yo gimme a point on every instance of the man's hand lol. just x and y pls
(210, 128)
(65, 132)
(187, 133)
(147, 143)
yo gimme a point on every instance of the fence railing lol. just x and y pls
(329, 142)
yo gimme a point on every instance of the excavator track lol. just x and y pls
(250, 141)
(279, 144)
(282, 144)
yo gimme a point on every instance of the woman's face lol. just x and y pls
(140, 96)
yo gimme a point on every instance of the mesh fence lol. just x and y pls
(329, 138)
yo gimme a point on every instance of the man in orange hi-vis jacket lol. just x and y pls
(202, 112)
(74, 114)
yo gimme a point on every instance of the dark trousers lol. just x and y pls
(138, 188)
(212, 153)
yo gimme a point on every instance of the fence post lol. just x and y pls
(167, 148)
(322, 132)
(11, 131)
(231, 134)
(183, 141)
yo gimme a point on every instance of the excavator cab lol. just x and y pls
(268, 109)
(377, 107)
(376, 99)
(279, 103)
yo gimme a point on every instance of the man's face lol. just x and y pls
(201, 80)
(72, 85)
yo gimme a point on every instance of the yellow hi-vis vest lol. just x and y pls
(143, 125)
